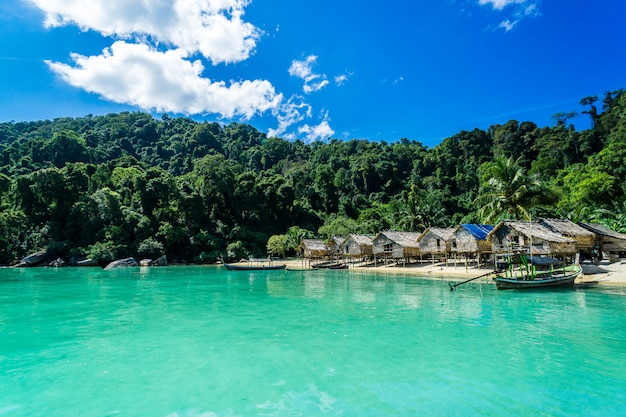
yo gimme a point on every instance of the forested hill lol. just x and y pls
(128, 184)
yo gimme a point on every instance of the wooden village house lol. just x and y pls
(608, 241)
(470, 242)
(357, 246)
(435, 243)
(314, 249)
(529, 237)
(584, 238)
(398, 246)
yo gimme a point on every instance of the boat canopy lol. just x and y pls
(536, 260)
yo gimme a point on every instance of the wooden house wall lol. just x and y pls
(352, 248)
(428, 244)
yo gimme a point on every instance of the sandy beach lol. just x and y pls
(604, 274)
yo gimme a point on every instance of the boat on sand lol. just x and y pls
(254, 265)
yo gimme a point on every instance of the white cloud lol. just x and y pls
(507, 25)
(319, 132)
(152, 61)
(304, 69)
(289, 113)
(519, 10)
(500, 4)
(342, 79)
(213, 28)
(164, 81)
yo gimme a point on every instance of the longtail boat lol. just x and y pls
(536, 272)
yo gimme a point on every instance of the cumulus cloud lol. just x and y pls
(304, 70)
(213, 28)
(318, 132)
(164, 81)
(155, 61)
(342, 79)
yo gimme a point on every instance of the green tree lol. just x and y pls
(278, 245)
(507, 191)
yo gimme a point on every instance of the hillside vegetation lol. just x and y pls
(128, 184)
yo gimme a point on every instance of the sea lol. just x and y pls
(201, 341)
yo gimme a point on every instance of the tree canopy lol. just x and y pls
(129, 184)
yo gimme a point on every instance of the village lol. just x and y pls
(469, 250)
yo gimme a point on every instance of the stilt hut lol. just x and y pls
(399, 246)
(436, 242)
(584, 238)
(606, 240)
(314, 249)
(358, 246)
(470, 241)
(530, 237)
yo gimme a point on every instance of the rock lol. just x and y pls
(87, 262)
(161, 261)
(35, 258)
(122, 263)
(57, 263)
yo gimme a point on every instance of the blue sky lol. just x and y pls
(422, 69)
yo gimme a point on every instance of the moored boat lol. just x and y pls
(255, 265)
(537, 272)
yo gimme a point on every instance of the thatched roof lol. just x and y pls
(603, 231)
(404, 239)
(566, 228)
(532, 230)
(314, 245)
(361, 240)
(444, 234)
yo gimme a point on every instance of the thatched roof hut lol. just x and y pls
(583, 237)
(519, 236)
(471, 239)
(314, 248)
(606, 239)
(335, 245)
(396, 245)
(358, 245)
(435, 241)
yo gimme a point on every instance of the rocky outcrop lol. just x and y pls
(161, 261)
(122, 263)
(35, 259)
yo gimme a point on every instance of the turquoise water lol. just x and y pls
(202, 341)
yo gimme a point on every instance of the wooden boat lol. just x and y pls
(255, 265)
(537, 272)
(333, 266)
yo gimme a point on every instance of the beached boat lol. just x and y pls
(254, 265)
(536, 272)
(333, 266)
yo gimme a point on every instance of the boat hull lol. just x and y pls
(566, 280)
(234, 267)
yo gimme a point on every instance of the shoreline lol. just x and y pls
(603, 274)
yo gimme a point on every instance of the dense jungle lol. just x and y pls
(128, 184)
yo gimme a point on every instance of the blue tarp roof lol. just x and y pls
(479, 231)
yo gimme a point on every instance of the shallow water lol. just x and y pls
(203, 341)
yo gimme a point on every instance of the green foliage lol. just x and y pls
(278, 245)
(123, 183)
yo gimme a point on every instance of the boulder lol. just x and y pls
(161, 261)
(122, 263)
(35, 258)
(57, 263)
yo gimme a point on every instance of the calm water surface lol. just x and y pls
(202, 341)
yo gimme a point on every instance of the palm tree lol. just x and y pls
(421, 211)
(509, 192)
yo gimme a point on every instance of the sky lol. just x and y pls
(313, 70)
